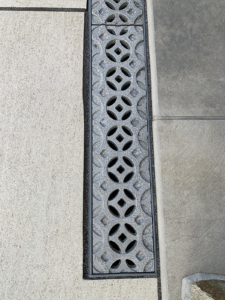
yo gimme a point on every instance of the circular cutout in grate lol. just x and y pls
(119, 108)
(119, 138)
(118, 50)
(118, 78)
(124, 238)
(122, 203)
(120, 169)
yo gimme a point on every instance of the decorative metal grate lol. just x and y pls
(121, 193)
(117, 12)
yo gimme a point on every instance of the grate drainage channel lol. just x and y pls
(121, 217)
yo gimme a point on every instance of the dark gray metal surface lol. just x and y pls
(121, 198)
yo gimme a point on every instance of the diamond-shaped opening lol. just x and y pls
(122, 238)
(121, 169)
(118, 78)
(120, 138)
(117, 51)
(121, 203)
(119, 108)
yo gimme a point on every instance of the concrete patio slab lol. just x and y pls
(190, 178)
(45, 3)
(190, 44)
(41, 163)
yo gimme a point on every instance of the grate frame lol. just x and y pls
(155, 273)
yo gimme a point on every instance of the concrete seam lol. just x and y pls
(50, 9)
(158, 180)
(161, 225)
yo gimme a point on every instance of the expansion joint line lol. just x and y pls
(122, 235)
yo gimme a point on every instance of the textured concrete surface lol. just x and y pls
(41, 162)
(189, 281)
(187, 75)
(190, 184)
(190, 46)
(44, 3)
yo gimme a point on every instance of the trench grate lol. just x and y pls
(117, 12)
(122, 208)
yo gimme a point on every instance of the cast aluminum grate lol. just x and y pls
(117, 12)
(122, 216)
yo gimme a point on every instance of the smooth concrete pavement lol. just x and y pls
(41, 163)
